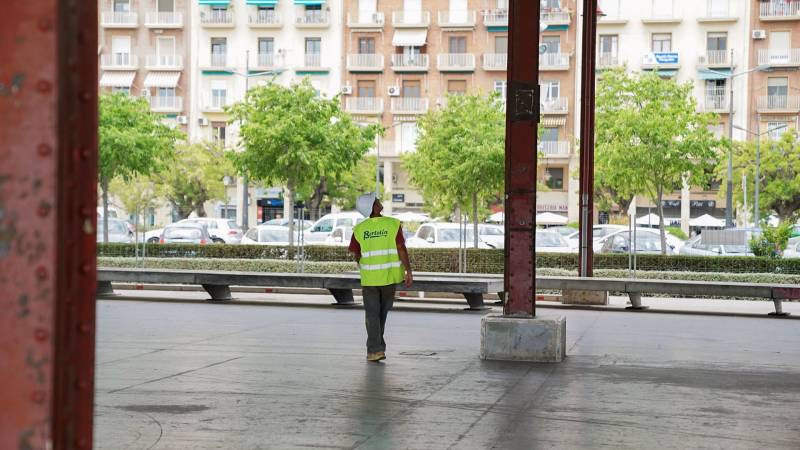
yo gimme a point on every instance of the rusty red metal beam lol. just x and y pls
(586, 192)
(48, 170)
(522, 120)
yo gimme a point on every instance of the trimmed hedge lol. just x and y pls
(478, 260)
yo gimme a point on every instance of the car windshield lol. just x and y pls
(548, 239)
(232, 225)
(273, 235)
(182, 233)
(117, 227)
(451, 235)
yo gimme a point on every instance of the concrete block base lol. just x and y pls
(573, 297)
(535, 339)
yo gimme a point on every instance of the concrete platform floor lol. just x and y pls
(208, 376)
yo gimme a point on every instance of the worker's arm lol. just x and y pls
(355, 249)
(403, 254)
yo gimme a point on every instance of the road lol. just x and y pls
(208, 376)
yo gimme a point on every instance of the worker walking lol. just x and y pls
(379, 249)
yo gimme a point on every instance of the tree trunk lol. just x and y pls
(316, 199)
(289, 210)
(475, 218)
(660, 209)
(104, 188)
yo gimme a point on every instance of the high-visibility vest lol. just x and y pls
(380, 263)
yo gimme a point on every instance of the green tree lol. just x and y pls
(650, 137)
(293, 137)
(136, 194)
(195, 178)
(779, 172)
(344, 191)
(132, 141)
(460, 156)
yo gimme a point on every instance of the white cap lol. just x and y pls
(364, 204)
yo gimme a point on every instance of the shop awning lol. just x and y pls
(554, 121)
(214, 2)
(716, 74)
(409, 38)
(162, 79)
(309, 2)
(262, 2)
(117, 79)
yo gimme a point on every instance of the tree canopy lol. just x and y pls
(197, 177)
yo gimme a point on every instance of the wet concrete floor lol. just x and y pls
(208, 376)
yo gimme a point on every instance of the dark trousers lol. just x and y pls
(378, 301)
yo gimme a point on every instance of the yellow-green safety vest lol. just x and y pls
(380, 264)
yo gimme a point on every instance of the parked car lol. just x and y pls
(443, 235)
(673, 243)
(118, 231)
(598, 232)
(494, 235)
(340, 236)
(267, 235)
(325, 225)
(793, 248)
(563, 231)
(185, 233)
(551, 242)
(285, 223)
(646, 243)
(696, 247)
(221, 230)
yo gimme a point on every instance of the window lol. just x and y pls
(266, 46)
(408, 136)
(779, 46)
(501, 44)
(121, 89)
(662, 8)
(412, 88)
(313, 14)
(122, 6)
(412, 11)
(715, 94)
(458, 44)
(457, 87)
(219, 50)
(218, 133)
(121, 50)
(366, 88)
(609, 44)
(550, 134)
(325, 226)
(366, 45)
(554, 177)
(366, 10)
(313, 52)
(718, 8)
(500, 88)
(219, 94)
(662, 42)
(551, 89)
(166, 92)
(553, 43)
(550, 4)
(425, 232)
(777, 86)
(776, 129)
(717, 41)
(166, 6)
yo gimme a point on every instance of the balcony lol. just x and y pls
(778, 104)
(555, 17)
(119, 20)
(215, 103)
(166, 104)
(119, 61)
(217, 61)
(457, 19)
(365, 62)
(409, 105)
(554, 61)
(164, 20)
(607, 60)
(779, 10)
(555, 149)
(217, 19)
(616, 19)
(496, 18)
(265, 19)
(787, 57)
(364, 105)
(555, 105)
(366, 21)
(313, 19)
(265, 61)
(411, 19)
(713, 15)
(715, 58)
(455, 62)
(164, 62)
(312, 62)
(410, 63)
(716, 101)
(495, 61)
(662, 18)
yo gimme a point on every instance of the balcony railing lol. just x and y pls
(409, 105)
(555, 149)
(164, 20)
(411, 19)
(366, 20)
(716, 101)
(313, 60)
(459, 62)
(457, 19)
(364, 105)
(720, 58)
(554, 61)
(556, 17)
(216, 103)
(119, 19)
(266, 19)
(219, 60)
(557, 105)
(119, 61)
(409, 63)
(787, 57)
(496, 18)
(607, 59)
(166, 103)
(779, 10)
(662, 17)
(495, 61)
(364, 62)
(313, 19)
(779, 103)
(712, 13)
(265, 60)
(216, 18)
(164, 62)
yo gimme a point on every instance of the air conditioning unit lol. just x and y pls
(145, 93)
(393, 91)
(203, 122)
(347, 89)
(759, 34)
(183, 120)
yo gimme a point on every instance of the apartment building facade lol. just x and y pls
(402, 58)
(144, 51)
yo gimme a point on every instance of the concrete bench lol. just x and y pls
(218, 283)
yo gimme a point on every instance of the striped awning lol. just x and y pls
(162, 79)
(554, 121)
(262, 2)
(309, 2)
(214, 2)
(117, 79)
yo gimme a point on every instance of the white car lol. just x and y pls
(598, 232)
(325, 225)
(646, 243)
(672, 242)
(340, 236)
(443, 235)
(793, 248)
(221, 230)
(118, 231)
(696, 247)
(493, 235)
(266, 235)
(551, 242)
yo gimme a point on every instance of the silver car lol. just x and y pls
(222, 231)
(185, 233)
(696, 247)
(118, 231)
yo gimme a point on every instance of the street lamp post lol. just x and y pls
(757, 181)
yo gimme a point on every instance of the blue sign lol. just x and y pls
(666, 57)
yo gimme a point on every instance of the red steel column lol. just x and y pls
(586, 192)
(48, 173)
(522, 119)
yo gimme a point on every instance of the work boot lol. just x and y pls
(375, 357)
(382, 355)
